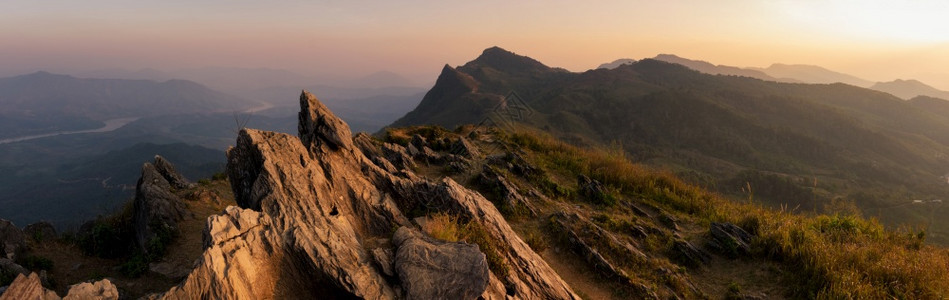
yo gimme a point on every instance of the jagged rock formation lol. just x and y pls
(729, 239)
(28, 287)
(11, 240)
(589, 240)
(317, 219)
(31, 287)
(507, 194)
(157, 208)
(101, 290)
(167, 170)
(239, 261)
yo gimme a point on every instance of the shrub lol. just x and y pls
(105, 240)
(33, 262)
(135, 266)
(536, 241)
(475, 233)
(7, 277)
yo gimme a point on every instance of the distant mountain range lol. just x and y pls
(709, 68)
(796, 144)
(616, 63)
(43, 102)
(908, 89)
(905, 89)
(179, 119)
(240, 80)
(812, 74)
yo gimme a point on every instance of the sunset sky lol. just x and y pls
(875, 40)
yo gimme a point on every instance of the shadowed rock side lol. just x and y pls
(12, 241)
(318, 219)
(157, 208)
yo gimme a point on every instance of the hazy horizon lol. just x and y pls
(874, 40)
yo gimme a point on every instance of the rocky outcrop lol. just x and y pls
(12, 241)
(464, 148)
(167, 170)
(729, 239)
(688, 254)
(599, 247)
(240, 261)
(317, 214)
(590, 187)
(507, 196)
(40, 231)
(10, 268)
(28, 287)
(99, 290)
(31, 287)
(157, 208)
(318, 126)
(529, 276)
(431, 269)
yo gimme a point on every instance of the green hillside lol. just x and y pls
(795, 145)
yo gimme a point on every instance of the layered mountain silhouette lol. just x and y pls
(795, 144)
(616, 63)
(908, 89)
(798, 73)
(709, 68)
(43, 102)
(812, 74)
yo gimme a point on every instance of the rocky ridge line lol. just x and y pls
(318, 217)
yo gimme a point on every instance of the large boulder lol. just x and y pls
(99, 290)
(12, 241)
(431, 269)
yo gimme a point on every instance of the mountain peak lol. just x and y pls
(44, 75)
(909, 88)
(504, 60)
(662, 56)
(616, 63)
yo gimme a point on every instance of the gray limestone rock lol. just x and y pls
(431, 269)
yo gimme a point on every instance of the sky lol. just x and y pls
(875, 40)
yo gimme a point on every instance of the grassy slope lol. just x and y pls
(840, 255)
(800, 256)
(797, 145)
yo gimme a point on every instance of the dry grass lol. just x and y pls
(447, 228)
(827, 257)
(443, 227)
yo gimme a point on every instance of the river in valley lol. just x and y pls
(110, 125)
